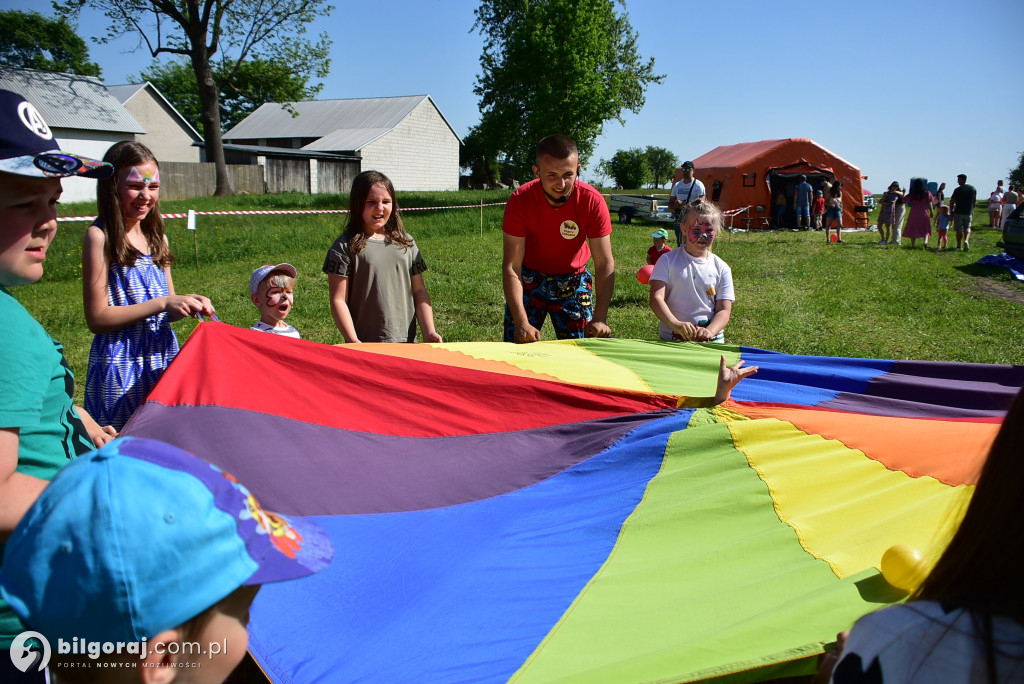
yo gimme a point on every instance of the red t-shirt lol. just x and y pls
(556, 239)
(819, 205)
(653, 254)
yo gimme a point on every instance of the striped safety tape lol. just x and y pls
(254, 212)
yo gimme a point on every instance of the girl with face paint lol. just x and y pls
(691, 288)
(127, 288)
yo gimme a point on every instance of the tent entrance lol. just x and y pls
(782, 186)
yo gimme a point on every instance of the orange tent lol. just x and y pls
(755, 173)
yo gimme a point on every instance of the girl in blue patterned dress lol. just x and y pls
(127, 287)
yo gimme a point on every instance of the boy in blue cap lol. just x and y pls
(139, 551)
(40, 428)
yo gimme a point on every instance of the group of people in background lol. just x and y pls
(927, 210)
(1001, 204)
(822, 207)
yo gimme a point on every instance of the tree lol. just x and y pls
(198, 29)
(662, 164)
(28, 40)
(555, 66)
(482, 165)
(628, 168)
(1016, 176)
(256, 82)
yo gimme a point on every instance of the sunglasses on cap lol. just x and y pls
(64, 165)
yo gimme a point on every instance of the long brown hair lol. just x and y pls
(118, 249)
(394, 229)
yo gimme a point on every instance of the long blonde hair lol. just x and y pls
(708, 211)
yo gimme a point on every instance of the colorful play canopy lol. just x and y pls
(550, 513)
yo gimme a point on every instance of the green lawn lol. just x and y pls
(795, 293)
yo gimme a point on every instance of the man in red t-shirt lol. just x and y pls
(551, 226)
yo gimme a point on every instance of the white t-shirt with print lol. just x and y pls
(682, 190)
(692, 286)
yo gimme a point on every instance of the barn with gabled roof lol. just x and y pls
(407, 138)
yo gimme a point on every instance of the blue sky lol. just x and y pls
(898, 89)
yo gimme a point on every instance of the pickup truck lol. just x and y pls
(628, 207)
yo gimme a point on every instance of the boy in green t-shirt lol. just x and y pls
(40, 428)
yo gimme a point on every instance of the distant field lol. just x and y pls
(795, 294)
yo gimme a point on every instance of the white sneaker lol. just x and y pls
(882, 242)
(967, 246)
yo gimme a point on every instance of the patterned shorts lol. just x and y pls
(568, 299)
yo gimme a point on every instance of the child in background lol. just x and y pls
(942, 226)
(995, 208)
(40, 428)
(272, 291)
(780, 209)
(144, 545)
(818, 210)
(834, 212)
(375, 270)
(659, 248)
(691, 288)
(128, 292)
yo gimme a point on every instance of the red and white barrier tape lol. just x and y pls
(288, 211)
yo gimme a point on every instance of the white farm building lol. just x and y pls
(406, 138)
(84, 117)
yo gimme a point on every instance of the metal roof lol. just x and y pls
(125, 92)
(270, 151)
(351, 124)
(70, 101)
(347, 139)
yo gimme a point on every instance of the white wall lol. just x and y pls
(165, 135)
(92, 144)
(420, 153)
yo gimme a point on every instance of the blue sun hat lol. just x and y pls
(140, 536)
(28, 148)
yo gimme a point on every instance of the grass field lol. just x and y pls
(795, 293)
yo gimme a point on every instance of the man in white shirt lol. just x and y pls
(686, 191)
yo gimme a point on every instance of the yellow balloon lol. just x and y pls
(903, 567)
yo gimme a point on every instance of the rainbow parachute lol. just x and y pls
(550, 513)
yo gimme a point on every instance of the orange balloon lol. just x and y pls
(644, 274)
(903, 567)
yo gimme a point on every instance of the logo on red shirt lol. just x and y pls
(569, 229)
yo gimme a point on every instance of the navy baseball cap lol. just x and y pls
(28, 148)
(140, 536)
